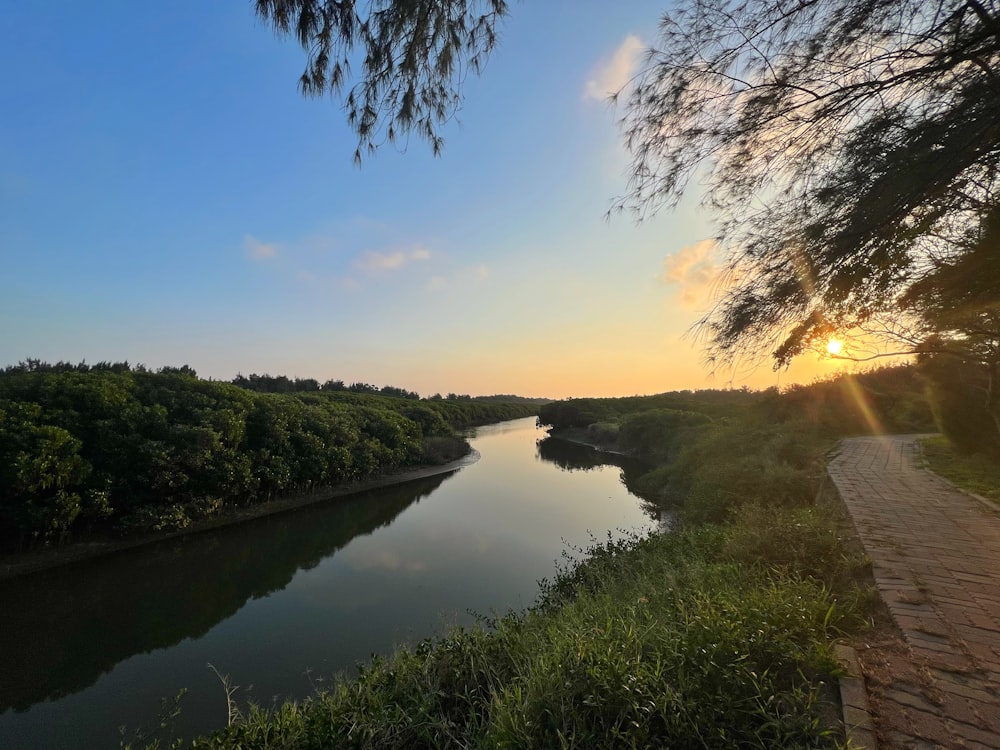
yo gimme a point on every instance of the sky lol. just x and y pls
(168, 197)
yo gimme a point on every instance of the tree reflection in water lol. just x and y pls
(64, 628)
(570, 456)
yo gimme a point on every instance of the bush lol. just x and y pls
(805, 541)
(957, 391)
(658, 435)
(441, 450)
(111, 448)
(604, 434)
(155, 518)
(726, 485)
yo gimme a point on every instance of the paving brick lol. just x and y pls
(935, 555)
(857, 718)
(852, 693)
(910, 699)
(973, 734)
(908, 741)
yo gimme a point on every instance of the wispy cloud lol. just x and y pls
(325, 260)
(257, 250)
(463, 277)
(374, 261)
(695, 271)
(613, 73)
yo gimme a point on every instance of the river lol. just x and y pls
(280, 604)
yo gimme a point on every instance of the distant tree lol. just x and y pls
(391, 390)
(305, 384)
(182, 370)
(334, 385)
(275, 383)
(414, 56)
(120, 367)
(849, 150)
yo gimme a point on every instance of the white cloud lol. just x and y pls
(695, 270)
(257, 250)
(613, 73)
(373, 261)
(325, 260)
(463, 277)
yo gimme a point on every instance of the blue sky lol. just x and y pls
(168, 197)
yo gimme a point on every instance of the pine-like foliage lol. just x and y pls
(412, 56)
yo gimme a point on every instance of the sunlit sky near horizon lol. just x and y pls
(167, 197)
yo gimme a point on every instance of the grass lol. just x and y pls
(976, 473)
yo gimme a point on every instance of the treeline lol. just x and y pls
(284, 384)
(113, 448)
(504, 397)
(584, 412)
(710, 450)
(269, 383)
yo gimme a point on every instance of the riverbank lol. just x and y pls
(35, 561)
(110, 450)
(709, 637)
(589, 438)
(286, 602)
(717, 634)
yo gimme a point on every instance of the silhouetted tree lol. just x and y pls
(849, 149)
(414, 57)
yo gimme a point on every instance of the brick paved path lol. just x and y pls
(936, 559)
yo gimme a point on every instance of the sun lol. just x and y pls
(834, 346)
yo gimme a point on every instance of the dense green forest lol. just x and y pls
(120, 449)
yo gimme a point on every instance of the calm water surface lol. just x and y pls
(282, 603)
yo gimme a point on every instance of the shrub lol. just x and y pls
(604, 434)
(726, 485)
(658, 434)
(957, 394)
(441, 450)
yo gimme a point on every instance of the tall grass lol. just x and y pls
(976, 472)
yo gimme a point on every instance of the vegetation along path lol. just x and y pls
(935, 552)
